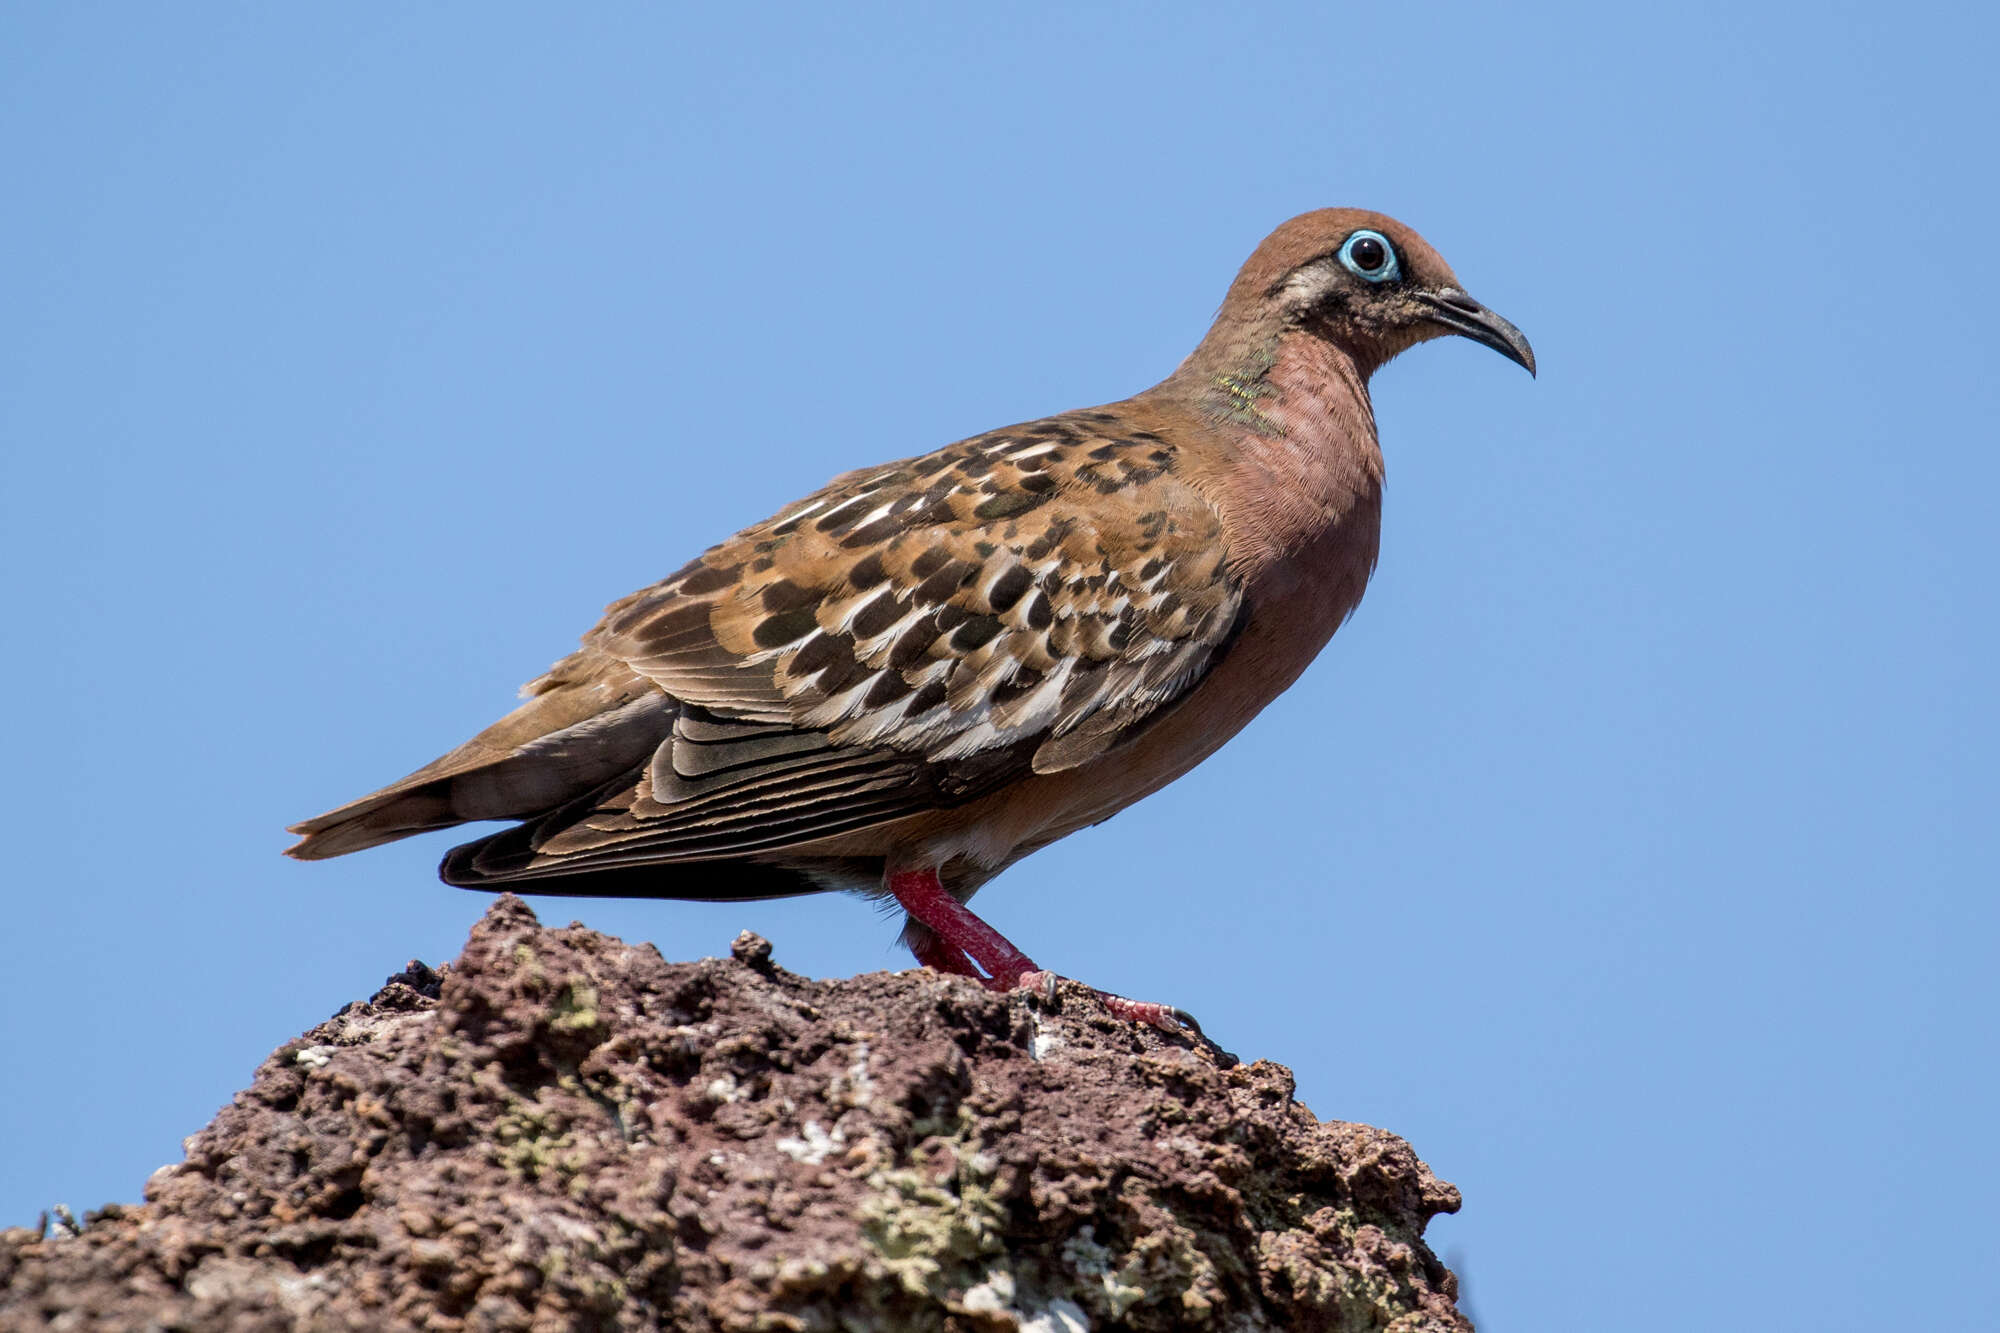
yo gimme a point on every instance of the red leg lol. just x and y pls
(935, 954)
(955, 933)
(923, 896)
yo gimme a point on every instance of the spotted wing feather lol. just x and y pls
(1051, 583)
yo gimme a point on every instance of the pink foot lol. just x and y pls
(1162, 1016)
(1165, 1017)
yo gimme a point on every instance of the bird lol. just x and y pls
(927, 669)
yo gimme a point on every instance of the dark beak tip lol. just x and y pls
(1504, 338)
(1469, 319)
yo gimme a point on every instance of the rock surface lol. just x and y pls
(563, 1131)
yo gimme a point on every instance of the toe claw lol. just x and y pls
(1042, 985)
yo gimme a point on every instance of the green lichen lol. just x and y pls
(1169, 1264)
(575, 1009)
(529, 970)
(927, 1232)
(532, 1143)
(1360, 1297)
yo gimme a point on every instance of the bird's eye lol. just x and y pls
(1369, 256)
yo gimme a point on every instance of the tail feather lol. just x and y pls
(374, 820)
(558, 745)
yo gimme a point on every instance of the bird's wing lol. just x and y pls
(1045, 582)
(907, 638)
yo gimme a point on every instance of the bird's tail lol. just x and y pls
(556, 746)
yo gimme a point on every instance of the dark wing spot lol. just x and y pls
(708, 578)
(841, 674)
(820, 652)
(914, 644)
(881, 530)
(1009, 690)
(1006, 506)
(841, 514)
(1039, 614)
(929, 697)
(777, 631)
(975, 633)
(946, 580)
(1009, 588)
(868, 571)
(686, 619)
(1037, 483)
(785, 595)
(879, 615)
(889, 686)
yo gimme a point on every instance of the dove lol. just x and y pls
(910, 679)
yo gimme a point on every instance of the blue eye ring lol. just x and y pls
(1360, 249)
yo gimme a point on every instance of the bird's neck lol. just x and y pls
(1303, 457)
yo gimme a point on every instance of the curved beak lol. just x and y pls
(1463, 315)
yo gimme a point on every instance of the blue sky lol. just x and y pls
(1631, 852)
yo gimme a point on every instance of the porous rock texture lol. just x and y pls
(563, 1131)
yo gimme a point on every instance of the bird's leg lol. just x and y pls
(952, 923)
(934, 953)
(953, 933)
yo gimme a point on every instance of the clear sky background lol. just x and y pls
(1632, 852)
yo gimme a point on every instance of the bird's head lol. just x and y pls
(1364, 282)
